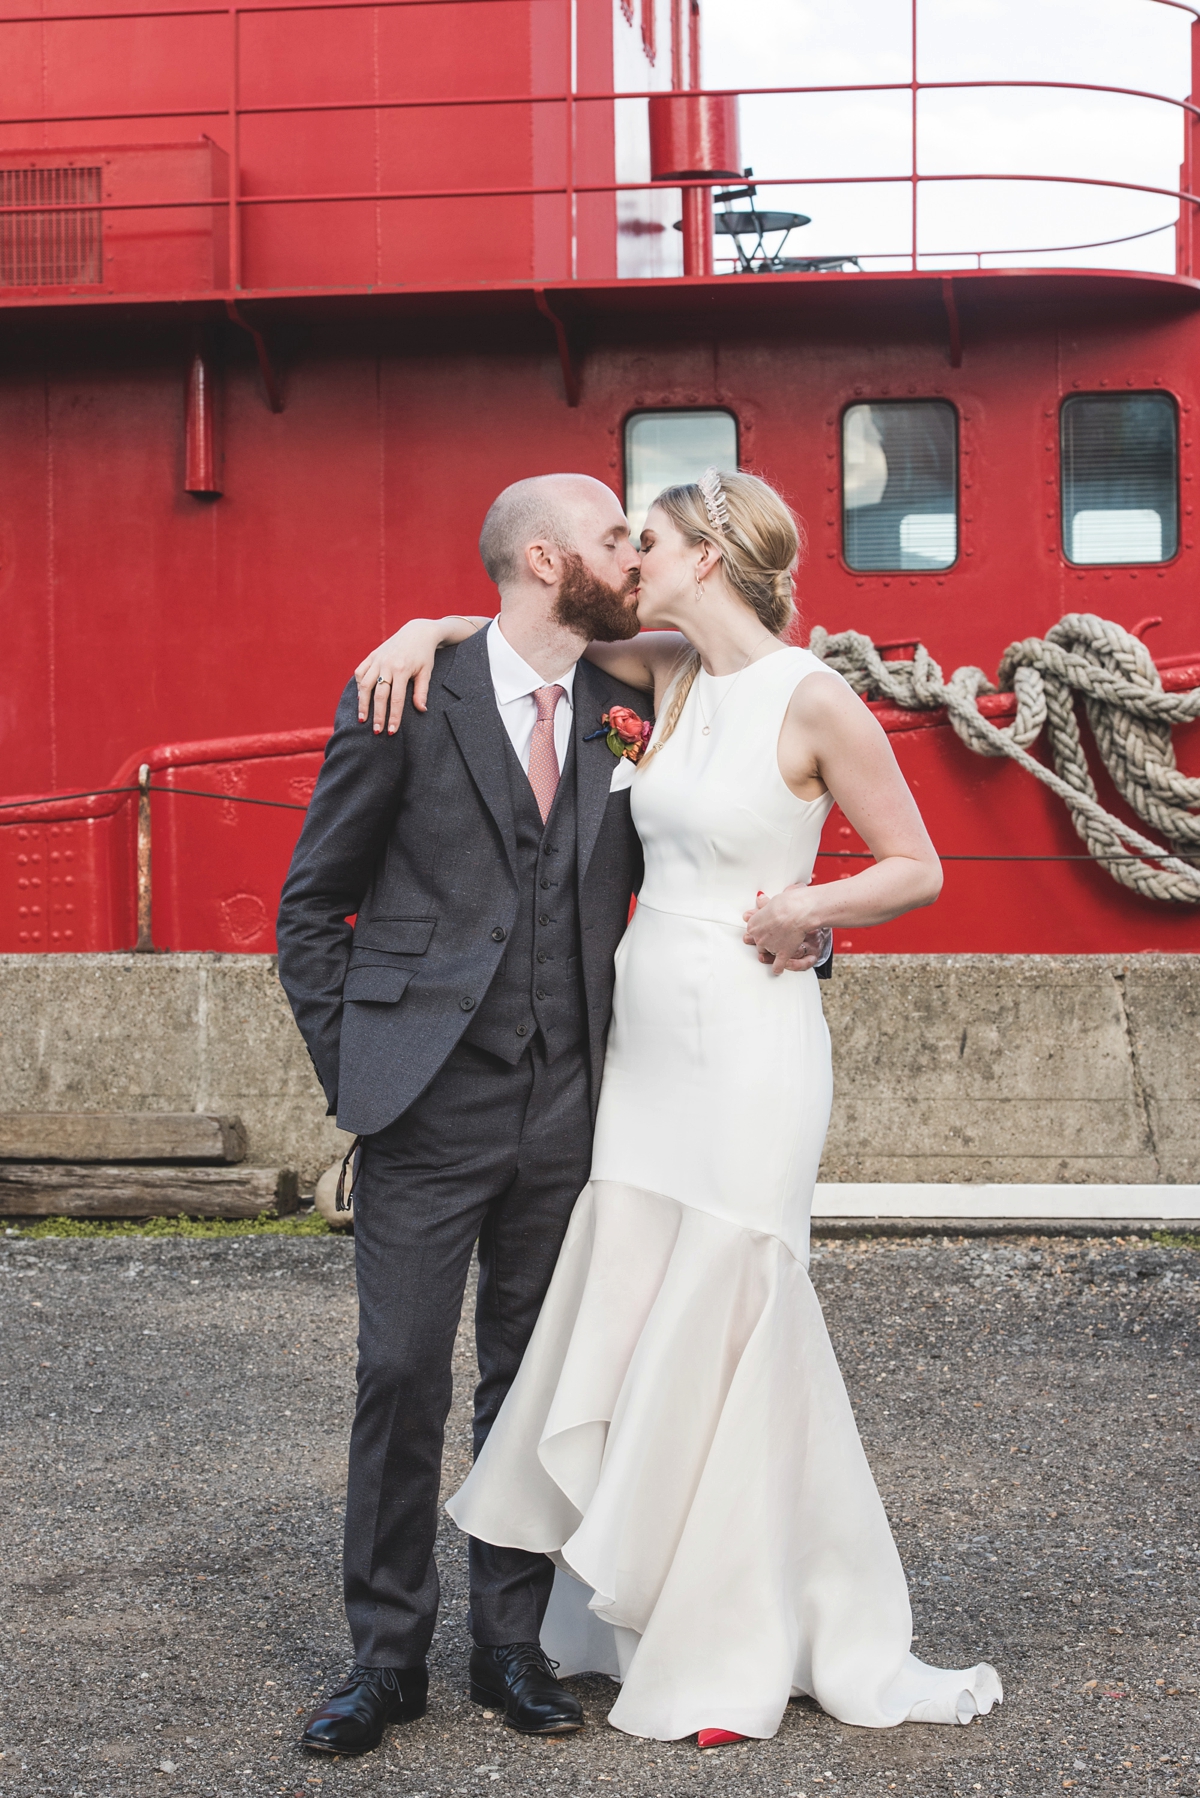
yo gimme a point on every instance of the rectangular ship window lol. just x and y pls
(664, 449)
(1120, 478)
(51, 249)
(900, 485)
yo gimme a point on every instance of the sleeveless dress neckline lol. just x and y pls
(679, 1439)
(754, 662)
(736, 674)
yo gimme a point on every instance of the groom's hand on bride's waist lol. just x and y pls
(811, 951)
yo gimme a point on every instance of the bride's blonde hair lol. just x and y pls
(759, 539)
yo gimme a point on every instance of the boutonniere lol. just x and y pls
(627, 734)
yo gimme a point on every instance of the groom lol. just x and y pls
(459, 1029)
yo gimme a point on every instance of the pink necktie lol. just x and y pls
(543, 757)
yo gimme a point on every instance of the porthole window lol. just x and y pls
(664, 449)
(900, 485)
(1120, 477)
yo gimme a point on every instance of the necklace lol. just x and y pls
(709, 722)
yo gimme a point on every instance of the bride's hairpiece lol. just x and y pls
(713, 495)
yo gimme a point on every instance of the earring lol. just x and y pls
(699, 589)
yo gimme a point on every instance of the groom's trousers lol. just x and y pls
(493, 1153)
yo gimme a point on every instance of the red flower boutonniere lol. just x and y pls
(627, 734)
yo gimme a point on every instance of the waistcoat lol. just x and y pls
(538, 985)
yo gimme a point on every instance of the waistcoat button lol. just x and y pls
(466, 1004)
(499, 934)
(545, 886)
(540, 993)
(544, 918)
(541, 955)
(522, 1030)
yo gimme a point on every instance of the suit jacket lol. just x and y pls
(415, 834)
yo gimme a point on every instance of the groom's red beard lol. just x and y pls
(590, 606)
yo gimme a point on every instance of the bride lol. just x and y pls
(678, 1439)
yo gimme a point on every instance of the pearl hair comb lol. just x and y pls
(713, 495)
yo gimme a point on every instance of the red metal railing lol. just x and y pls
(569, 188)
(77, 872)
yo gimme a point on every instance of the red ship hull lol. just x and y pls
(225, 815)
(291, 291)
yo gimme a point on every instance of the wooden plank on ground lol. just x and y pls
(120, 1136)
(51, 1189)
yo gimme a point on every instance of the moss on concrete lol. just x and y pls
(263, 1225)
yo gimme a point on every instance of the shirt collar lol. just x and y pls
(512, 677)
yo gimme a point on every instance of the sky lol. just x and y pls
(1122, 43)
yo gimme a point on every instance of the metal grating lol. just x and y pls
(50, 249)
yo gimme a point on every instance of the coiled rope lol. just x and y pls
(1130, 715)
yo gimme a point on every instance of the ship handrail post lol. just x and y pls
(145, 932)
(1187, 260)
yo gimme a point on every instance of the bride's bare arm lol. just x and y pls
(407, 656)
(831, 742)
(646, 661)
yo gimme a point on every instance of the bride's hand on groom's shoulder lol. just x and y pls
(773, 931)
(383, 676)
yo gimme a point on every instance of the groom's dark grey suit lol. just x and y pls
(460, 1029)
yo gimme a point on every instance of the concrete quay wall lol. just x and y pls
(187, 1032)
(976, 1068)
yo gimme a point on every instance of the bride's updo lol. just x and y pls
(757, 534)
(759, 539)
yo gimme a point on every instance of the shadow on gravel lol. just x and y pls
(176, 1416)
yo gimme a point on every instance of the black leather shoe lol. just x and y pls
(521, 1679)
(353, 1718)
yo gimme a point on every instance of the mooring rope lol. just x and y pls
(1130, 715)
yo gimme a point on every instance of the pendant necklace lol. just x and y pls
(709, 722)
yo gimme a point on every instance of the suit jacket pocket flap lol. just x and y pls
(403, 936)
(376, 986)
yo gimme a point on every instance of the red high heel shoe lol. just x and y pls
(717, 1738)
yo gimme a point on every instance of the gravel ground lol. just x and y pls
(176, 1416)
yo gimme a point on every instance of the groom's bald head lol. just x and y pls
(558, 548)
(557, 509)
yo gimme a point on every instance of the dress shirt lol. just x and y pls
(514, 683)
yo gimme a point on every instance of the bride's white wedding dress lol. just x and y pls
(678, 1438)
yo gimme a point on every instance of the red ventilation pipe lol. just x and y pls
(202, 448)
(694, 136)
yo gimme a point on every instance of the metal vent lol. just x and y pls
(50, 249)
